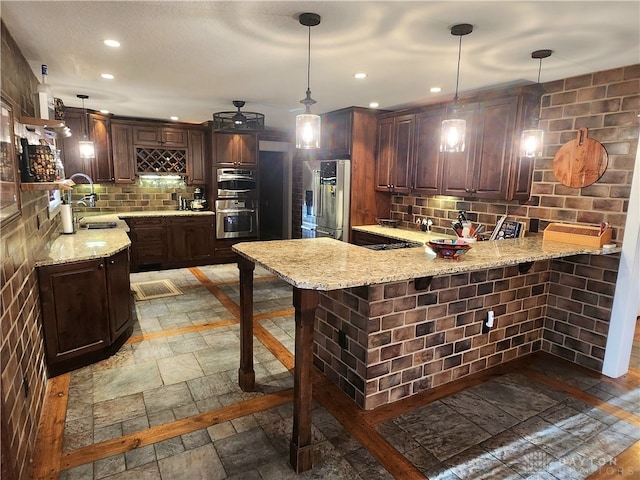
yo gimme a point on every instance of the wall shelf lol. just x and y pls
(60, 185)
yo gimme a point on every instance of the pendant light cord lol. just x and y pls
(455, 98)
(539, 70)
(309, 59)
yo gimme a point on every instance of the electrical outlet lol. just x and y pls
(487, 324)
(342, 339)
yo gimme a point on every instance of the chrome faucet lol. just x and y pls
(91, 198)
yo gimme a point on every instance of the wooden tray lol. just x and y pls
(578, 234)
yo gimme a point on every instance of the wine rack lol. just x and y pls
(156, 160)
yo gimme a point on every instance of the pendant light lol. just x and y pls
(453, 131)
(87, 148)
(532, 140)
(308, 124)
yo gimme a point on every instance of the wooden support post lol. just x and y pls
(301, 448)
(246, 374)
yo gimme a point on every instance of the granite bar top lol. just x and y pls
(88, 244)
(328, 264)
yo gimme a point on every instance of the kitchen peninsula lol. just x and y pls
(389, 324)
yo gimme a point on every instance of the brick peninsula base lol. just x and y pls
(392, 323)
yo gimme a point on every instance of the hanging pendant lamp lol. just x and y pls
(86, 146)
(453, 131)
(532, 140)
(308, 124)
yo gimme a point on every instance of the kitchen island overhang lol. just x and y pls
(399, 339)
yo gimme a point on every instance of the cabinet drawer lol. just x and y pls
(148, 235)
(152, 252)
(144, 221)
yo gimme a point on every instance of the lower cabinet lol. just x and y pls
(171, 242)
(87, 309)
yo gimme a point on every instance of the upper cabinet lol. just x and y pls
(98, 129)
(488, 168)
(151, 135)
(196, 167)
(335, 135)
(124, 162)
(235, 149)
(395, 155)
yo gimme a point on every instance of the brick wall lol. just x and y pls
(400, 341)
(21, 346)
(608, 104)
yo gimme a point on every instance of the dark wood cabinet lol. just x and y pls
(98, 129)
(428, 163)
(189, 239)
(196, 158)
(124, 162)
(170, 242)
(235, 149)
(223, 252)
(336, 136)
(151, 135)
(488, 168)
(86, 308)
(395, 153)
(148, 241)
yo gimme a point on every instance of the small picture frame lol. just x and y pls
(9, 176)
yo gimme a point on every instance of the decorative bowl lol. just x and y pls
(449, 248)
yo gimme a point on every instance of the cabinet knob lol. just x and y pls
(112, 262)
(467, 190)
(101, 265)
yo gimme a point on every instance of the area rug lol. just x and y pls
(155, 289)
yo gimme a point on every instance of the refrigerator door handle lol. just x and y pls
(317, 192)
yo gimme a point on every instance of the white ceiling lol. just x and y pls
(192, 58)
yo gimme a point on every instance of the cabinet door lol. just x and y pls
(178, 239)
(149, 135)
(124, 163)
(403, 156)
(119, 294)
(335, 139)
(69, 145)
(457, 176)
(495, 140)
(196, 168)
(174, 137)
(100, 129)
(201, 238)
(384, 156)
(74, 308)
(428, 160)
(235, 148)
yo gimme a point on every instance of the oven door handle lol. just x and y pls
(236, 210)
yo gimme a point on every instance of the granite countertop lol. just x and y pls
(401, 233)
(328, 264)
(90, 244)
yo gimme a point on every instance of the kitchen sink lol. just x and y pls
(95, 225)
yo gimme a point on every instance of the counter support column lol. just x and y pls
(246, 374)
(301, 448)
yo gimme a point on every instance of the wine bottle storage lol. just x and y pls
(153, 160)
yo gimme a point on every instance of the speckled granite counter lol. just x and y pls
(88, 244)
(327, 264)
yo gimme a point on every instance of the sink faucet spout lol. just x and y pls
(91, 197)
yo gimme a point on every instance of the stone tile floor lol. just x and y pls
(508, 427)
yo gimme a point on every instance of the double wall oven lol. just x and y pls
(236, 203)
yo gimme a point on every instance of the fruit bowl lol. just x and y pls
(449, 248)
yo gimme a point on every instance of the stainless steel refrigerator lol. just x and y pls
(326, 187)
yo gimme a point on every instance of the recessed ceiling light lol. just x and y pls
(112, 43)
(435, 89)
(108, 76)
(104, 111)
(360, 75)
(374, 105)
(174, 118)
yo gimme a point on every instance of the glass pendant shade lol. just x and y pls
(307, 131)
(531, 142)
(452, 135)
(87, 149)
